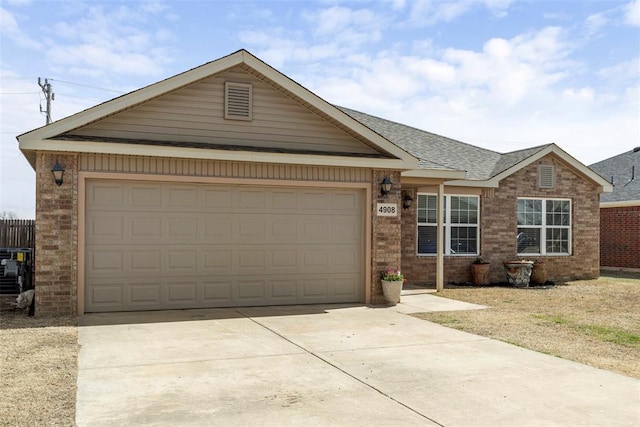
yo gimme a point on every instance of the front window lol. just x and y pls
(544, 226)
(461, 229)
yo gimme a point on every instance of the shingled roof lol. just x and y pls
(626, 178)
(436, 151)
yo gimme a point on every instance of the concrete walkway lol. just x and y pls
(330, 365)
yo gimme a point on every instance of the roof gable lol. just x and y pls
(195, 116)
(96, 129)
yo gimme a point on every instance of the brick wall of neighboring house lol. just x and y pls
(620, 237)
(498, 229)
(56, 236)
(385, 241)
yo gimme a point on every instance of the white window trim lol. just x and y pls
(543, 227)
(447, 225)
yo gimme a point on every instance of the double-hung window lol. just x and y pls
(544, 226)
(461, 224)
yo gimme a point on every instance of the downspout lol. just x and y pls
(440, 241)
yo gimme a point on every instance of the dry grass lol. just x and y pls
(596, 322)
(38, 370)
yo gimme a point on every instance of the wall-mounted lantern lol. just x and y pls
(58, 173)
(407, 201)
(385, 186)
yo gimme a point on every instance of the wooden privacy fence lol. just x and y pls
(17, 233)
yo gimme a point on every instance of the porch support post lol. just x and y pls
(440, 243)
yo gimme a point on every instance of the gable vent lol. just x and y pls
(546, 176)
(237, 101)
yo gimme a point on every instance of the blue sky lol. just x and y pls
(500, 74)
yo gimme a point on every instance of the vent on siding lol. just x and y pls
(546, 176)
(237, 101)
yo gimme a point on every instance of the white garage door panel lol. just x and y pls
(160, 245)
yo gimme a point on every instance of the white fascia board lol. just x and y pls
(322, 105)
(623, 204)
(472, 183)
(434, 173)
(605, 186)
(133, 98)
(68, 146)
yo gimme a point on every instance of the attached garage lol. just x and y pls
(165, 245)
(226, 185)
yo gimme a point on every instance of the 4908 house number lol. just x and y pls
(387, 209)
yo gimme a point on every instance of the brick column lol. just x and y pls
(56, 252)
(386, 236)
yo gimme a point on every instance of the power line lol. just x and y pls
(88, 86)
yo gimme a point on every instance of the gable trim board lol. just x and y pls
(84, 178)
(624, 204)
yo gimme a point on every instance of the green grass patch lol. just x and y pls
(558, 320)
(609, 334)
(600, 332)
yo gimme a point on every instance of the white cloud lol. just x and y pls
(626, 70)
(498, 7)
(428, 12)
(595, 23)
(511, 94)
(632, 15)
(10, 28)
(115, 41)
(346, 26)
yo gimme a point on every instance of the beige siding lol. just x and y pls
(212, 168)
(195, 114)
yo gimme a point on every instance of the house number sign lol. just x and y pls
(387, 209)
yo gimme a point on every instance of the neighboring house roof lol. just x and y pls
(624, 171)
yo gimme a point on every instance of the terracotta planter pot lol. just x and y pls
(480, 274)
(392, 291)
(539, 274)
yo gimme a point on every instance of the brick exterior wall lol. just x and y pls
(620, 237)
(56, 268)
(385, 241)
(498, 229)
(56, 254)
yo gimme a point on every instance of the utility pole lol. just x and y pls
(49, 95)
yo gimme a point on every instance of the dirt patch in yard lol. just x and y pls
(596, 322)
(38, 370)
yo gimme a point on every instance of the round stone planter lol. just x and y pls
(518, 272)
(391, 291)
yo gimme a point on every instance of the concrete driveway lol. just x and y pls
(330, 365)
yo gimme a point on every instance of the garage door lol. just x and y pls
(157, 245)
